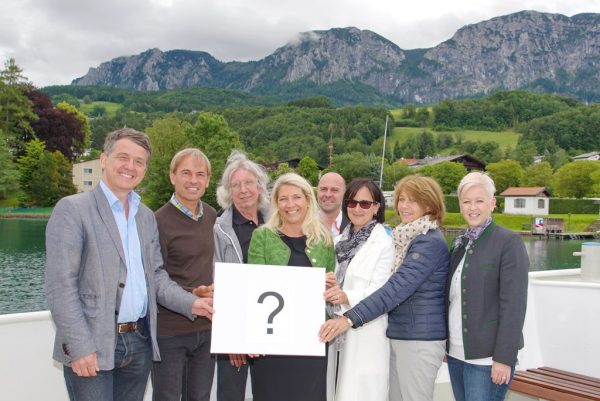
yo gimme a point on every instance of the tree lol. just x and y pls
(524, 152)
(576, 179)
(426, 144)
(45, 177)
(422, 117)
(211, 133)
(392, 173)
(9, 176)
(61, 128)
(167, 136)
(538, 175)
(505, 173)
(352, 165)
(281, 169)
(15, 108)
(308, 169)
(447, 174)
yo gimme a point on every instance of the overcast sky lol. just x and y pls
(55, 41)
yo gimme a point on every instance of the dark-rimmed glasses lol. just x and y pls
(364, 204)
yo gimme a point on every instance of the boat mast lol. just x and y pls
(383, 153)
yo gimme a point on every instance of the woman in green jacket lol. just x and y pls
(293, 236)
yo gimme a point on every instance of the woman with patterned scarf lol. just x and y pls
(486, 299)
(364, 254)
(413, 296)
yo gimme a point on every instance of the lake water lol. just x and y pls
(22, 262)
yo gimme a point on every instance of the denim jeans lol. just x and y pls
(186, 369)
(474, 383)
(126, 382)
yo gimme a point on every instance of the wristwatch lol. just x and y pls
(350, 322)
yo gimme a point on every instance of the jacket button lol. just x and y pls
(470, 252)
(464, 316)
(465, 330)
(121, 285)
(464, 290)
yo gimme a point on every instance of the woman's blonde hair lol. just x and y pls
(311, 227)
(426, 191)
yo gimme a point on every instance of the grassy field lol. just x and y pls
(503, 138)
(574, 224)
(111, 108)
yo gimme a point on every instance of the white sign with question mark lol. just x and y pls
(273, 310)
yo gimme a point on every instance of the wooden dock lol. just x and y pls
(582, 235)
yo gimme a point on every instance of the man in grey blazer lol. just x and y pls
(105, 276)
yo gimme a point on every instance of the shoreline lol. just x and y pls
(25, 216)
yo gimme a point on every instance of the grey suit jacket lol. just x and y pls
(86, 272)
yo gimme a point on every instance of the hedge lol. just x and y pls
(557, 205)
(574, 206)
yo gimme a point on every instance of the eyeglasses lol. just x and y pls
(364, 204)
(248, 184)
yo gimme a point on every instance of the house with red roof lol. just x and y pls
(526, 200)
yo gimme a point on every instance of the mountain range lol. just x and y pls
(525, 50)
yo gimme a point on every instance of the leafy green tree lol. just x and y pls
(488, 152)
(576, 179)
(426, 144)
(352, 165)
(505, 173)
(538, 175)
(409, 111)
(444, 140)
(557, 158)
(79, 145)
(308, 169)
(281, 169)
(98, 110)
(447, 174)
(313, 102)
(45, 177)
(422, 117)
(392, 173)
(167, 137)
(595, 191)
(211, 133)
(15, 108)
(9, 176)
(524, 152)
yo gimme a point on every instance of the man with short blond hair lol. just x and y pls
(185, 224)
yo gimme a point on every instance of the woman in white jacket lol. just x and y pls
(365, 255)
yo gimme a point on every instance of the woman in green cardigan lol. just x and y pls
(293, 236)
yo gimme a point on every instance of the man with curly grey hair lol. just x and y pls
(243, 196)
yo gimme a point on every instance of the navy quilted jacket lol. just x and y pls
(414, 296)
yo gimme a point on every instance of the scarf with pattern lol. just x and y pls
(403, 235)
(471, 234)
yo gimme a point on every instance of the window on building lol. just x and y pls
(519, 203)
(541, 203)
(87, 183)
(87, 171)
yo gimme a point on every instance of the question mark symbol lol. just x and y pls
(262, 297)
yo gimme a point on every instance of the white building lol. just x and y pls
(86, 175)
(526, 200)
(587, 156)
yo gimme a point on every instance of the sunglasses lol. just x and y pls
(364, 204)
